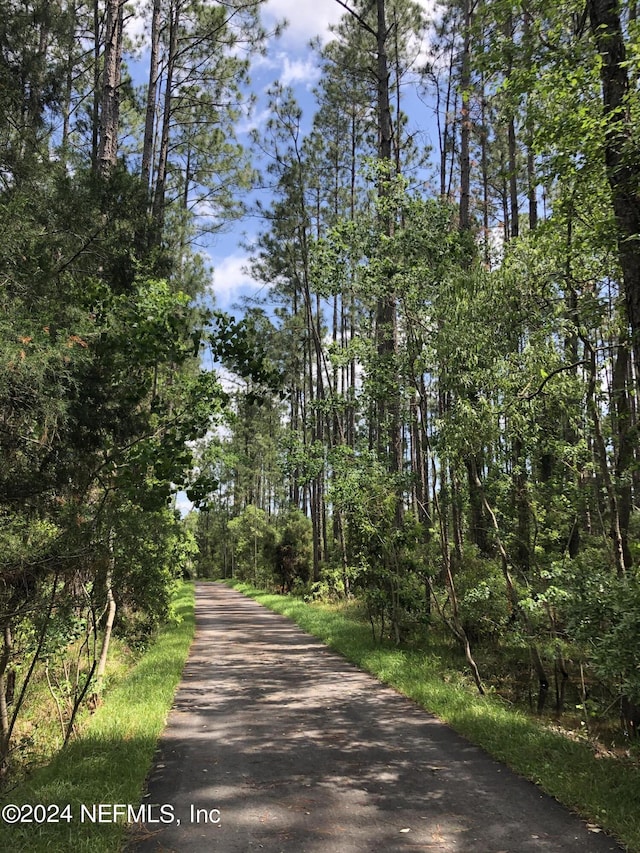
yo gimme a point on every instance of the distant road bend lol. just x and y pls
(277, 744)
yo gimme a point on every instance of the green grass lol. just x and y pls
(109, 762)
(601, 789)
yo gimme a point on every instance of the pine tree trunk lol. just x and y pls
(621, 416)
(110, 109)
(621, 155)
(152, 94)
(513, 179)
(163, 154)
(95, 106)
(465, 120)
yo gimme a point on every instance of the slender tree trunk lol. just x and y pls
(111, 611)
(152, 95)
(7, 646)
(484, 161)
(603, 461)
(465, 119)
(68, 88)
(163, 154)
(456, 517)
(95, 107)
(521, 503)
(512, 147)
(110, 109)
(454, 624)
(5, 739)
(386, 309)
(531, 188)
(621, 412)
(513, 179)
(621, 153)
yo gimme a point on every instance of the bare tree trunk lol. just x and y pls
(513, 179)
(95, 107)
(111, 610)
(512, 145)
(68, 89)
(603, 461)
(621, 412)
(152, 94)
(531, 188)
(484, 163)
(163, 154)
(621, 153)
(465, 120)
(110, 111)
(521, 504)
(387, 405)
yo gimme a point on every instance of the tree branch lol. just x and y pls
(550, 376)
(358, 18)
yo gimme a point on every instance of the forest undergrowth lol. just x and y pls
(109, 756)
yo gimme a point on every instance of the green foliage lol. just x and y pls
(362, 489)
(603, 613)
(254, 539)
(95, 767)
(336, 583)
(293, 550)
(482, 600)
(152, 552)
(102, 393)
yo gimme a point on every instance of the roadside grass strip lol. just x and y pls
(107, 764)
(603, 789)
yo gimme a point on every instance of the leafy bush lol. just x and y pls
(482, 598)
(254, 539)
(293, 550)
(606, 619)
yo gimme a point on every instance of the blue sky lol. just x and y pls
(291, 62)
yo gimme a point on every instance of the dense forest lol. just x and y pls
(455, 329)
(104, 186)
(434, 407)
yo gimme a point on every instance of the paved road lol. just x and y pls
(277, 744)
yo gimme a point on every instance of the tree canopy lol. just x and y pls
(436, 401)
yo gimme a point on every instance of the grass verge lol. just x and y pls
(109, 762)
(602, 789)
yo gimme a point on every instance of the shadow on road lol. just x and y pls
(275, 743)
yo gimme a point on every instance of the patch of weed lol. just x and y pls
(109, 761)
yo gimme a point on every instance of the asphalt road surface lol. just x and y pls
(277, 744)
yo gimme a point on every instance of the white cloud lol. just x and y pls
(230, 383)
(299, 70)
(309, 19)
(306, 18)
(254, 121)
(231, 279)
(135, 24)
(183, 504)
